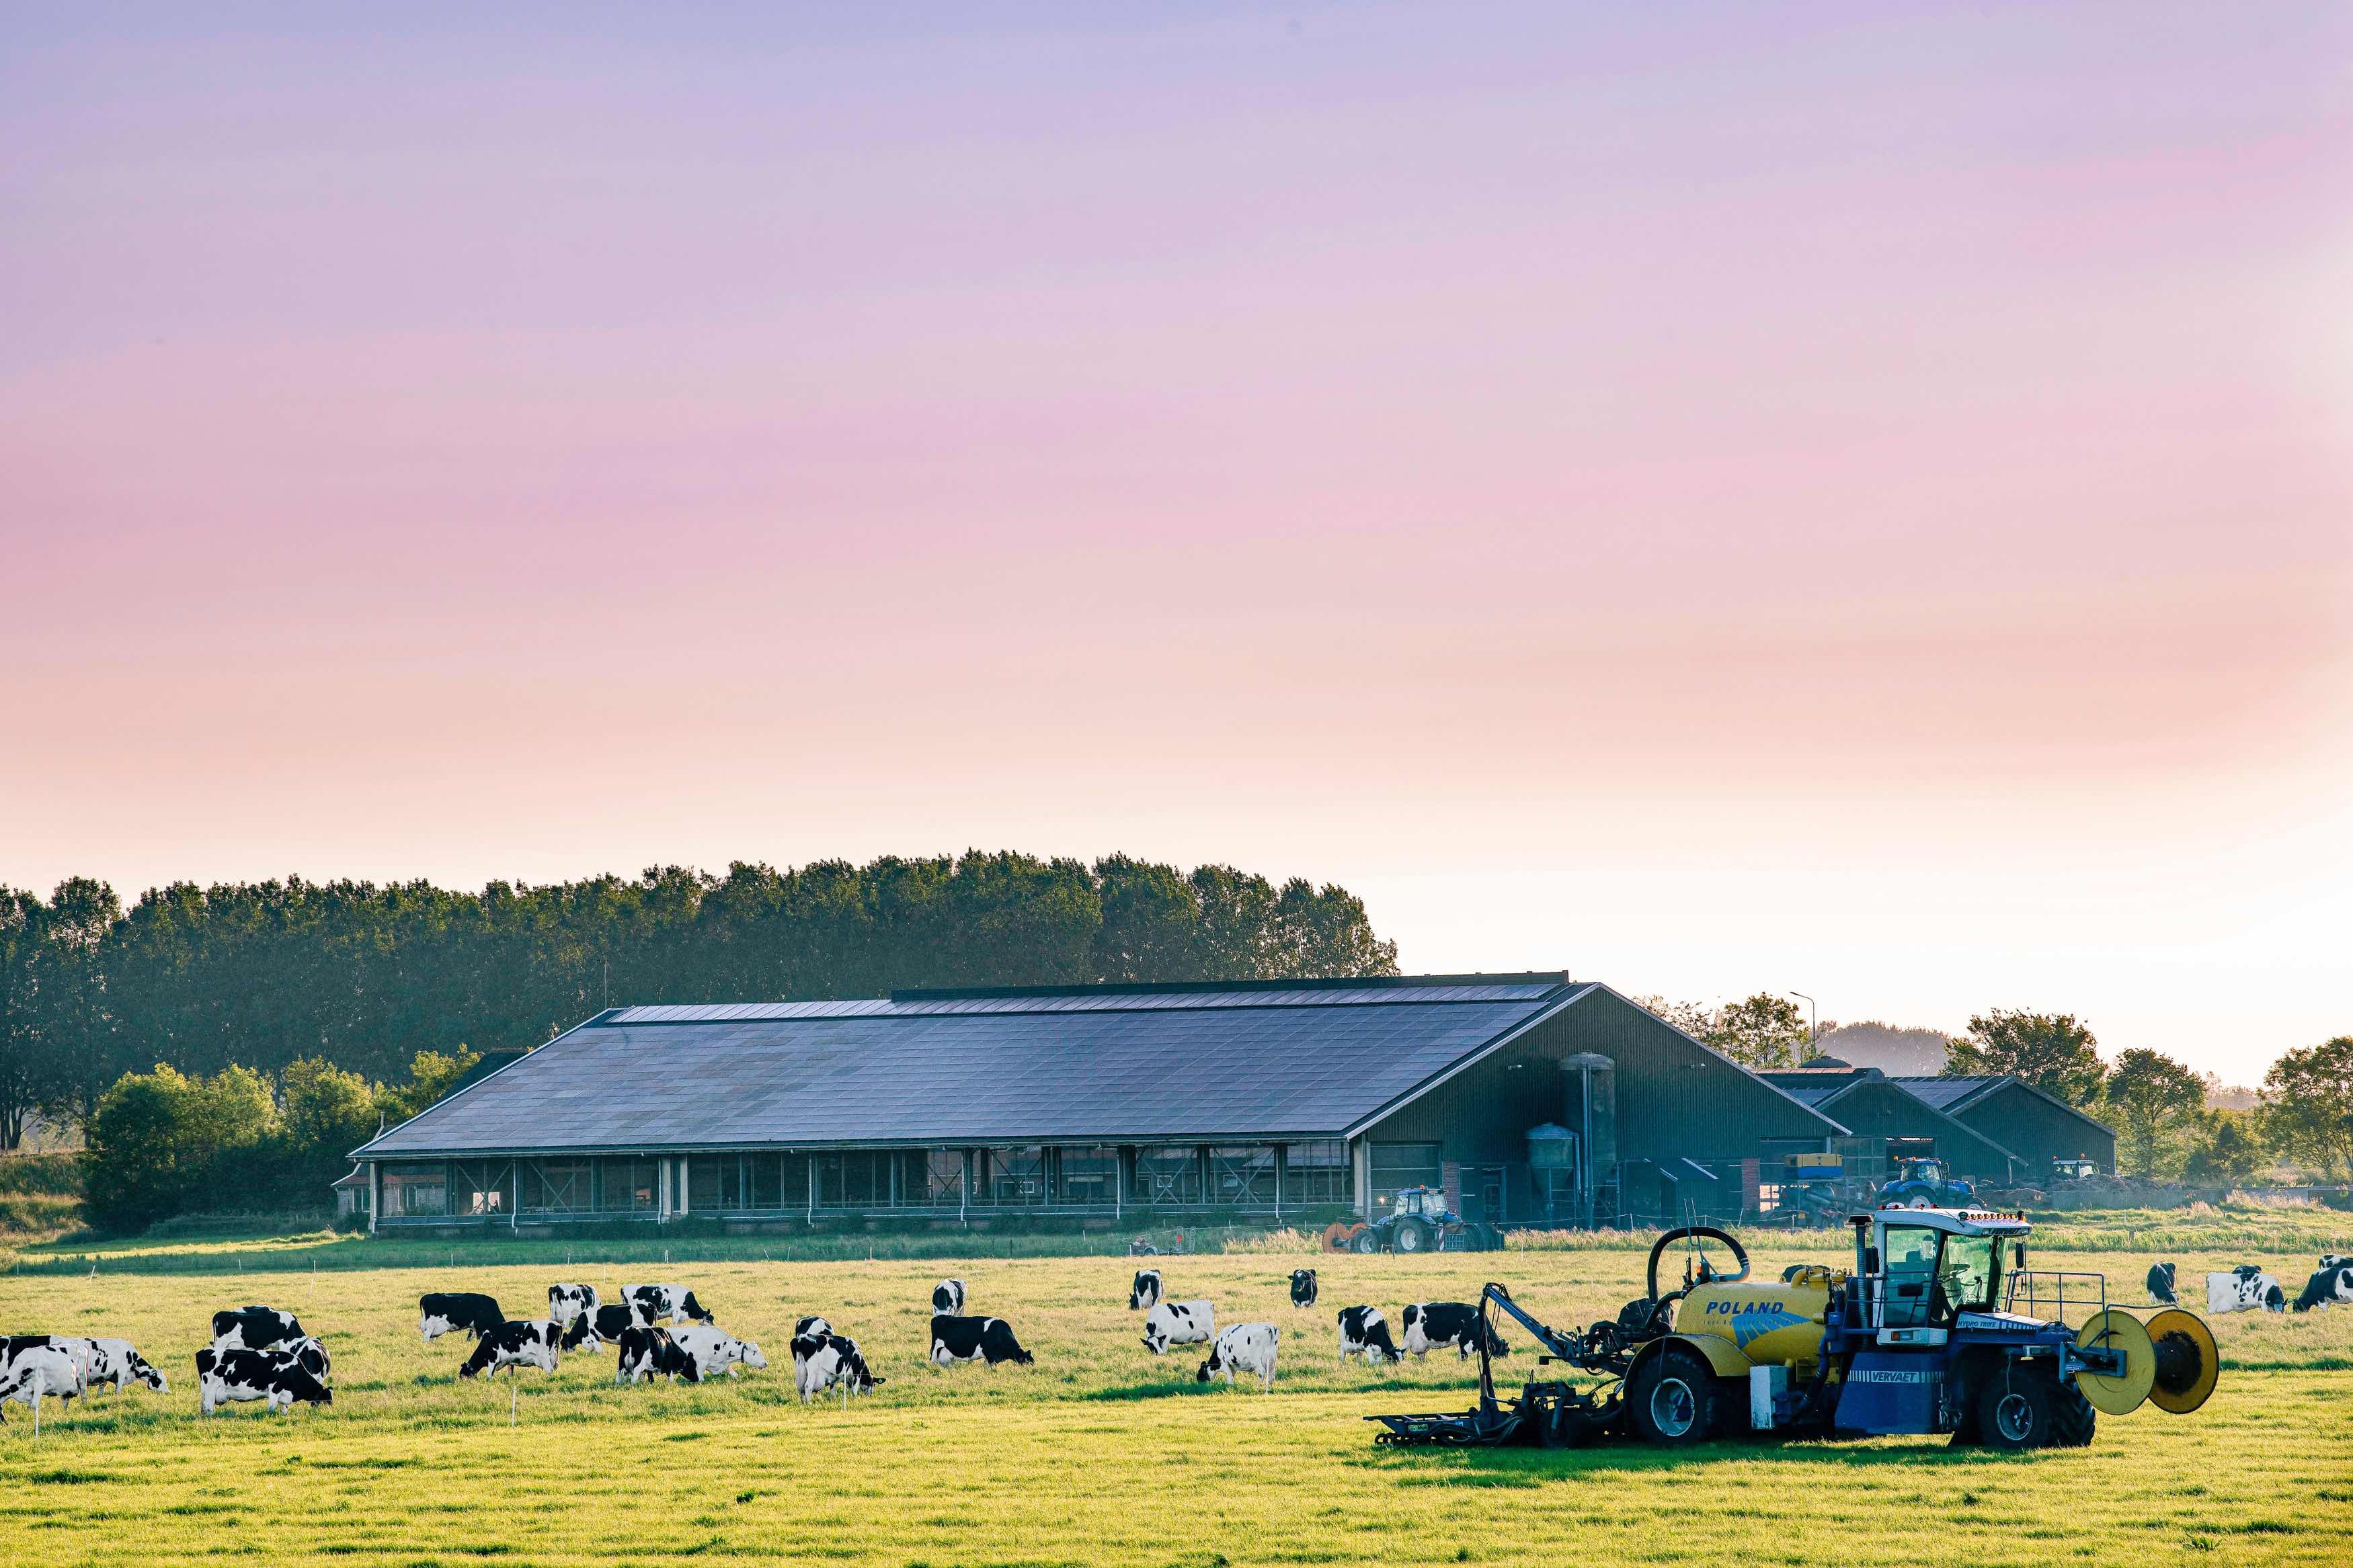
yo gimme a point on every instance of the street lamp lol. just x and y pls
(1813, 1022)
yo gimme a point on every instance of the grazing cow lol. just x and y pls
(2244, 1289)
(651, 1353)
(230, 1375)
(1179, 1323)
(947, 1296)
(1432, 1324)
(1365, 1332)
(565, 1302)
(594, 1330)
(2160, 1284)
(809, 1327)
(1245, 1347)
(476, 1314)
(31, 1370)
(2330, 1285)
(650, 1304)
(716, 1348)
(114, 1362)
(308, 1354)
(2335, 1261)
(254, 1328)
(1303, 1287)
(829, 1361)
(975, 1338)
(1144, 1294)
(527, 1341)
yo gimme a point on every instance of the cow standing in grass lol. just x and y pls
(1179, 1323)
(1302, 1287)
(469, 1312)
(32, 1368)
(1145, 1293)
(976, 1339)
(650, 1304)
(716, 1350)
(1244, 1348)
(231, 1376)
(1365, 1332)
(254, 1328)
(947, 1296)
(651, 1353)
(827, 1361)
(529, 1341)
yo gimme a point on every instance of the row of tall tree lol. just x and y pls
(365, 974)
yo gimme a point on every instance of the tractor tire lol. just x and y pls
(1673, 1399)
(2017, 1410)
(1412, 1236)
(2073, 1419)
(1366, 1241)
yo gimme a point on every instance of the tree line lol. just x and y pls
(263, 976)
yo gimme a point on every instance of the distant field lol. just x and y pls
(1100, 1454)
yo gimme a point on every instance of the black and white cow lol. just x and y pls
(592, 1330)
(1144, 1294)
(2245, 1289)
(2160, 1284)
(651, 1353)
(254, 1328)
(526, 1342)
(947, 1296)
(811, 1327)
(116, 1363)
(33, 1367)
(308, 1354)
(1246, 1348)
(975, 1338)
(2330, 1285)
(716, 1349)
(1365, 1332)
(650, 1304)
(439, 1313)
(1303, 1287)
(231, 1376)
(1179, 1323)
(565, 1302)
(1430, 1325)
(829, 1361)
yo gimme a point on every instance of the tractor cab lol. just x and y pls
(1923, 1268)
(1421, 1203)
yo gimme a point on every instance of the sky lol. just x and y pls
(1851, 499)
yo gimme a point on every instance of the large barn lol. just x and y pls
(1529, 1098)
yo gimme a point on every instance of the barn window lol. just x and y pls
(1400, 1165)
(1242, 1176)
(1318, 1173)
(715, 1182)
(630, 1184)
(1013, 1175)
(1169, 1177)
(1088, 1175)
(419, 1191)
(555, 1187)
(943, 1173)
(481, 1185)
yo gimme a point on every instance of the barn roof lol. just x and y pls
(1954, 1096)
(1126, 1064)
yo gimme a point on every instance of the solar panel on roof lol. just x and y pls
(668, 1076)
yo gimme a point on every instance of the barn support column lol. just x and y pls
(1360, 1158)
(661, 1191)
(376, 1192)
(680, 1186)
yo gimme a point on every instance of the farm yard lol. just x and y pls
(1101, 1452)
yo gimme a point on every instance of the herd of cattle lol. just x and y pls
(263, 1355)
(1251, 1347)
(2248, 1289)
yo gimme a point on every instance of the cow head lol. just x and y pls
(304, 1389)
(145, 1373)
(811, 1329)
(577, 1332)
(1211, 1367)
(749, 1354)
(2336, 1260)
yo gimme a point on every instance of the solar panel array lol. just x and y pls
(1179, 1067)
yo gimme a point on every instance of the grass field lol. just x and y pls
(1100, 1454)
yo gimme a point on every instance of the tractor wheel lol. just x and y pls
(1412, 1236)
(2015, 1410)
(2073, 1419)
(1674, 1398)
(1366, 1241)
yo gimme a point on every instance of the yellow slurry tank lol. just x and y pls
(1771, 1324)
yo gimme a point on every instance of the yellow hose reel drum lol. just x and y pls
(2187, 1360)
(2122, 1393)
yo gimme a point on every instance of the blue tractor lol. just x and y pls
(1924, 1183)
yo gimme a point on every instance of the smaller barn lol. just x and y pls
(1887, 1123)
(2037, 1127)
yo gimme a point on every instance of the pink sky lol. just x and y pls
(1859, 500)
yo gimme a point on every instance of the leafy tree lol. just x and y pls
(2228, 1147)
(2053, 1051)
(2155, 1103)
(22, 1062)
(1762, 1031)
(2308, 1106)
(161, 1143)
(69, 986)
(431, 1077)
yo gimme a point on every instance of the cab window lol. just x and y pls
(1908, 1256)
(1966, 1281)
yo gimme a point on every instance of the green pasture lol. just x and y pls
(1100, 1454)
